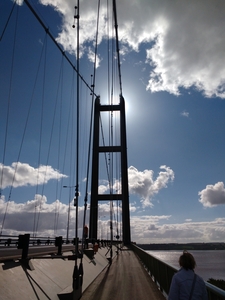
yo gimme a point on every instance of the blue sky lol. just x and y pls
(173, 78)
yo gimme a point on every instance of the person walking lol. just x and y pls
(186, 285)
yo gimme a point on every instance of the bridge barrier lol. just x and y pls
(162, 274)
(24, 241)
(8, 240)
(12, 240)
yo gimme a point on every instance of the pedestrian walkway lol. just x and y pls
(124, 279)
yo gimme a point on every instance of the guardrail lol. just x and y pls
(162, 274)
(13, 240)
(25, 243)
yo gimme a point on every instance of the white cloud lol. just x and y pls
(184, 114)
(213, 195)
(88, 24)
(20, 217)
(184, 40)
(133, 208)
(19, 2)
(188, 51)
(144, 229)
(144, 185)
(152, 227)
(102, 189)
(22, 174)
(142, 232)
(91, 57)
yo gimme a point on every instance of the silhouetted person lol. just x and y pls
(186, 285)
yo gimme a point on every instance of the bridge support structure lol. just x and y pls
(97, 150)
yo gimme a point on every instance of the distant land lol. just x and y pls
(189, 246)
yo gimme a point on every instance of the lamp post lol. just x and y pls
(68, 219)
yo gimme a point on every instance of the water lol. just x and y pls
(210, 263)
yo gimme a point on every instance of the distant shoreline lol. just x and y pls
(188, 246)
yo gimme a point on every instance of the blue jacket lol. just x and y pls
(181, 284)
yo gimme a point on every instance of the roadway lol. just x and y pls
(125, 279)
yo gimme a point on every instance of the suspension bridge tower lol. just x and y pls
(121, 149)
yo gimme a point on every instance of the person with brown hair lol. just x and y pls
(186, 285)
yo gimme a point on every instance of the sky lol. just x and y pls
(173, 78)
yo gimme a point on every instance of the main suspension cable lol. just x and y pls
(117, 45)
(57, 45)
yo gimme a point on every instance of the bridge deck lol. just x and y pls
(125, 279)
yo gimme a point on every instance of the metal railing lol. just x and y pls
(25, 247)
(13, 240)
(162, 274)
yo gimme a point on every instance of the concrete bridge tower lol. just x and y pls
(122, 150)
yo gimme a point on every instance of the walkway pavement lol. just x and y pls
(125, 279)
